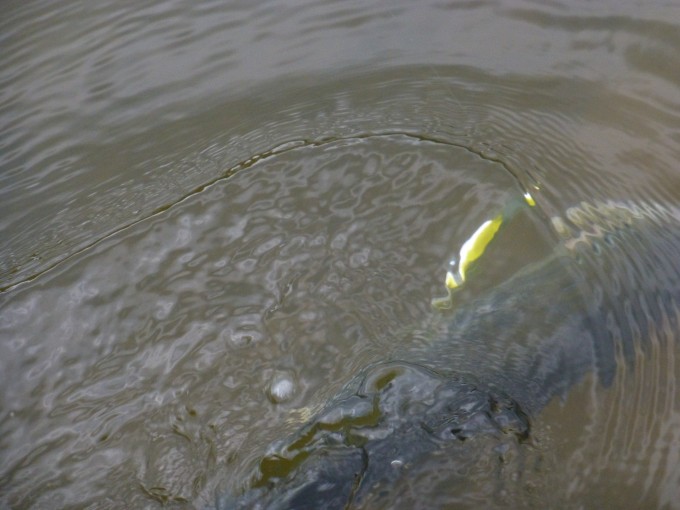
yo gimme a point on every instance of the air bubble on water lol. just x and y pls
(282, 387)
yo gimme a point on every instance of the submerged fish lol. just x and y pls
(490, 368)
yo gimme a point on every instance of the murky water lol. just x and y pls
(213, 216)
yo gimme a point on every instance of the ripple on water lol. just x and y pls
(298, 263)
(203, 205)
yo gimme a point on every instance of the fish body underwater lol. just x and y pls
(472, 393)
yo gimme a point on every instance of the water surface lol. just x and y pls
(201, 201)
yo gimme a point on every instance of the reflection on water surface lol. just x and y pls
(200, 203)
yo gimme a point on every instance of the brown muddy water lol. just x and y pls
(214, 214)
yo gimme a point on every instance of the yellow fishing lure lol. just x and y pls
(472, 249)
